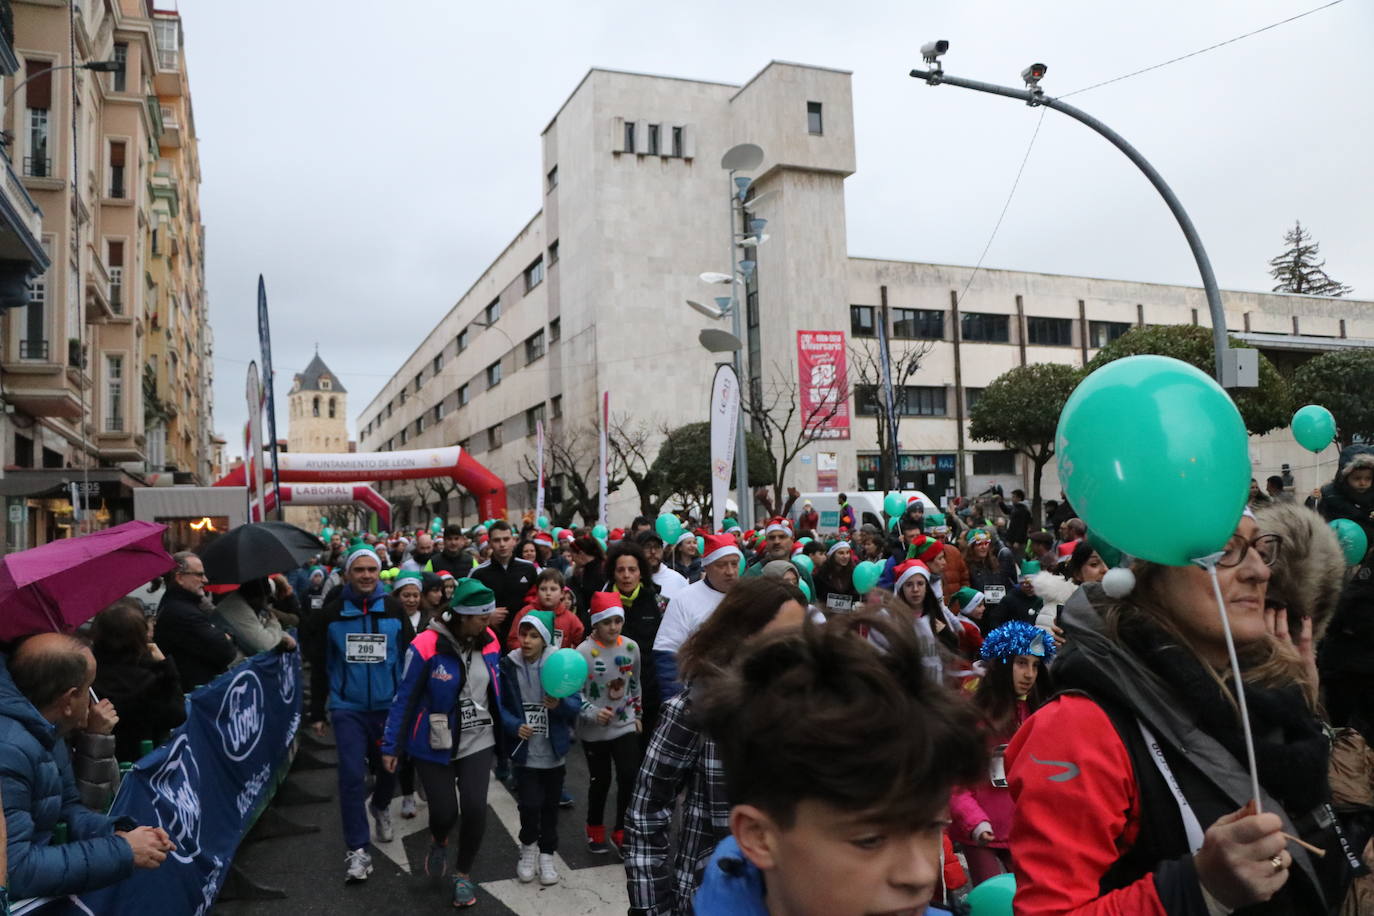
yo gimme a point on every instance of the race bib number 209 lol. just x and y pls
(365, 648)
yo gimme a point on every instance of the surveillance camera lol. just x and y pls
(1032, 75)
(933, 49)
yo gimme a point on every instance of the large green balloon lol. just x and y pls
(668, 527)
(563, 673)
(866, 576)
(994, 896)
(1354, 543)
(1314, 427)
(1146, 441)
(802, 561)
(894, 504)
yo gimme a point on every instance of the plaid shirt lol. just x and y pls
(679, 757)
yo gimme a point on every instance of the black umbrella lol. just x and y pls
(257, 550)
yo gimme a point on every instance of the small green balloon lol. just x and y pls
(599, 532)
(742, 563)
(1354, 542)
(1314, 427)
(994, 896)
(563, 673)
(866, 576)
(542, 522)
(557, 533)
(701, 545)
(669, 527)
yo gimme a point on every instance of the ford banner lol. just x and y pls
(207, 785)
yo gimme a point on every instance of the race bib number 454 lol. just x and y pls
(365, 648)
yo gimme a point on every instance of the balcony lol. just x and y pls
(38, 167)
(22, 204)
(171, 128)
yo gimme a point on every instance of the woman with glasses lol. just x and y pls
(1132, 790)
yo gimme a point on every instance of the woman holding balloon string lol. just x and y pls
(1186, 797)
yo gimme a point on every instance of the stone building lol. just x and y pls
(317, 412)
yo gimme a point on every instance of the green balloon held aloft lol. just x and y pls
(701, 545)
(1354, 543)
(668, 527)
(1314, 427)
(563, 673)
(1145, 441)
(327, 533)
(866, 576)
(599, 532)
(894, 504)
(542, 523)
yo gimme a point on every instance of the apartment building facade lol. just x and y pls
(106, 369)
(589, 298)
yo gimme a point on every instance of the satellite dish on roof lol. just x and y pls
(742, 158)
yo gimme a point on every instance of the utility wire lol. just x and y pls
(1220, 44)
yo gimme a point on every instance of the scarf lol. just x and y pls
(629, 599)
(1291, 751)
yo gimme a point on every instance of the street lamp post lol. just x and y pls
(97, 66)
(1234, 368)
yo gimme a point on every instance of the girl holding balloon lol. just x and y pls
(835, 592)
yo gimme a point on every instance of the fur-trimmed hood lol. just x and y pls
(1354, 457)
(1310, 571)
(1053, 588)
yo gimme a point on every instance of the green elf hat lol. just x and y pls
(472, 598)
(542, 621)
(409, 577)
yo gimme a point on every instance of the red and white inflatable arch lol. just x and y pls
(332, 494)
(415, 464)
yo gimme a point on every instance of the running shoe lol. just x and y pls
(357, 866)
(547, 873)
(596, 839)
(566, 800)
(408, 807)
(464, 892)
(381, 819)
(529, 858)
(436, 862)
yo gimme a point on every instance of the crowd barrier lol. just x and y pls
(205, 786)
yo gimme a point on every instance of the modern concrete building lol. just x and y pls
(589, 297)
(106, 368)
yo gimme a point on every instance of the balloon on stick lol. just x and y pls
(1354, 542)
(1314, 427)
(669, 527)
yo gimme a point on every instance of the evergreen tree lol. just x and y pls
(1299, 271)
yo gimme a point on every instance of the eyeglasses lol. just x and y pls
(1268, 546)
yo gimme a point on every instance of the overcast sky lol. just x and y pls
(371, 159)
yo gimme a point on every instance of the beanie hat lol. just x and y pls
(836, 546)
(606, 605)
(472, 598)
(358, 553)
(1018, 638)
(542, 621)
(718, 547)
(317, 570)
(905, 571)
(968, 599)
(409, 577)
(924, 548)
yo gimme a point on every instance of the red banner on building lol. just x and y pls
(824, 390)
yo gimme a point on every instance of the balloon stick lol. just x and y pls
(1209, 563)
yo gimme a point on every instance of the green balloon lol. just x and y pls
(1354, 543)
(803, 562)
(557, 533)
(563, 673)
(1145, 441)
(1314, 427)
(803, 540)
(327, 533)
(599, 532)
(994, 896)
(866, 576)
(701, 545)
(892, 521)
(805, 589)
(542, 523)
(894, 504)
(1109, 554)
(668, 527)
(742, 563)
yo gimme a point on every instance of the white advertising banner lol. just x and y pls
(254, 456)
(724, 429)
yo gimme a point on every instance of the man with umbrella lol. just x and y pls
(184, 632)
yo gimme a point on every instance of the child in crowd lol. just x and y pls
(1014, 686)
(551, 594)
(543, 727)
(839, 786)
(610, 721)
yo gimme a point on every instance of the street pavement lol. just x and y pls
(310, 867)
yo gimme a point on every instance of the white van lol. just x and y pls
(867, 506)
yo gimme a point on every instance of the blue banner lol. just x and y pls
(207, 785)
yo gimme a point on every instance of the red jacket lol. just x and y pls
(1077, 812)
(565, 622)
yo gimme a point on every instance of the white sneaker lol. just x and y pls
(358, 865)
(381, 819)
(408, 806)
(524, 869)
(547, 873)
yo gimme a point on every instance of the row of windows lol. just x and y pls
(656, 140)
(980, 327)
(908, 400)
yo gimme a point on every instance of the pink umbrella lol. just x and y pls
(61, 585)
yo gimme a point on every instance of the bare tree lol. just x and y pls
(866, 372)
(632, 444)
(786, 427)
(572, 457)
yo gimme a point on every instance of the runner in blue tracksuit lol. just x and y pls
(355, 648)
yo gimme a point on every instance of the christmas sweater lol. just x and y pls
(613, 682)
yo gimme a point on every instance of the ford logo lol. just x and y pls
(176, 799)
(241, 715)
(286, 676)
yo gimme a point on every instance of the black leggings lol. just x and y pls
(624, 751)
(538, 791)
(473, 775)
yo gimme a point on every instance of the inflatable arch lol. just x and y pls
(332, 494)
(415, 464)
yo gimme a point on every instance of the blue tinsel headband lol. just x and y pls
(1018, 638)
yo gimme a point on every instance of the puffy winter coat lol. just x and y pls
(40, 790)
(520, 687)
(1340, 500)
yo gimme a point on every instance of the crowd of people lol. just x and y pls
(784, 720)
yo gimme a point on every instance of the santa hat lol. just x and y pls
(606, 605)
(543, 540)
(778, 524)
(718, 547)
(1066, 549)
(924, 548)
(542, 621)
(565, 535)
(905, 571)
(445, 577)
(617, 534)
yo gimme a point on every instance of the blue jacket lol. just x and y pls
(431, 682)
(736, 887)
(39, 789)
(519, 681)
(357, 685)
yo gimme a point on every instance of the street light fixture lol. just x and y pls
(95, 66)
(710, 311)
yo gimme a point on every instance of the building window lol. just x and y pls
(493, 311)
(920, 401)
(438, 364)
(677, 141)
(167, 45)
(553, 252)
(1101, 333)
(114, 394)
(462, 395)
(333, 409)
(405, 434)
(419, 424)
(114, 265)
(977, 327)
(533, 417)
(813, 118)
(971, 396)
(1049, 332)
(553, 178)
(556, 406)
(534, 274)
(494, 436)
(994, 462)
(325, 383)
(403, 396)
(866, 400)
(419, 380)
(462, 340)
(862, 321)
(534, 346)
(38, 96)
(653, 139)
(555, 329)
(119, 79)
(438, 411)
(315, 407)
(33, 342)
(117, 149)
(923, 324)
(629, 136)
(494, 374)
(388, 410)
